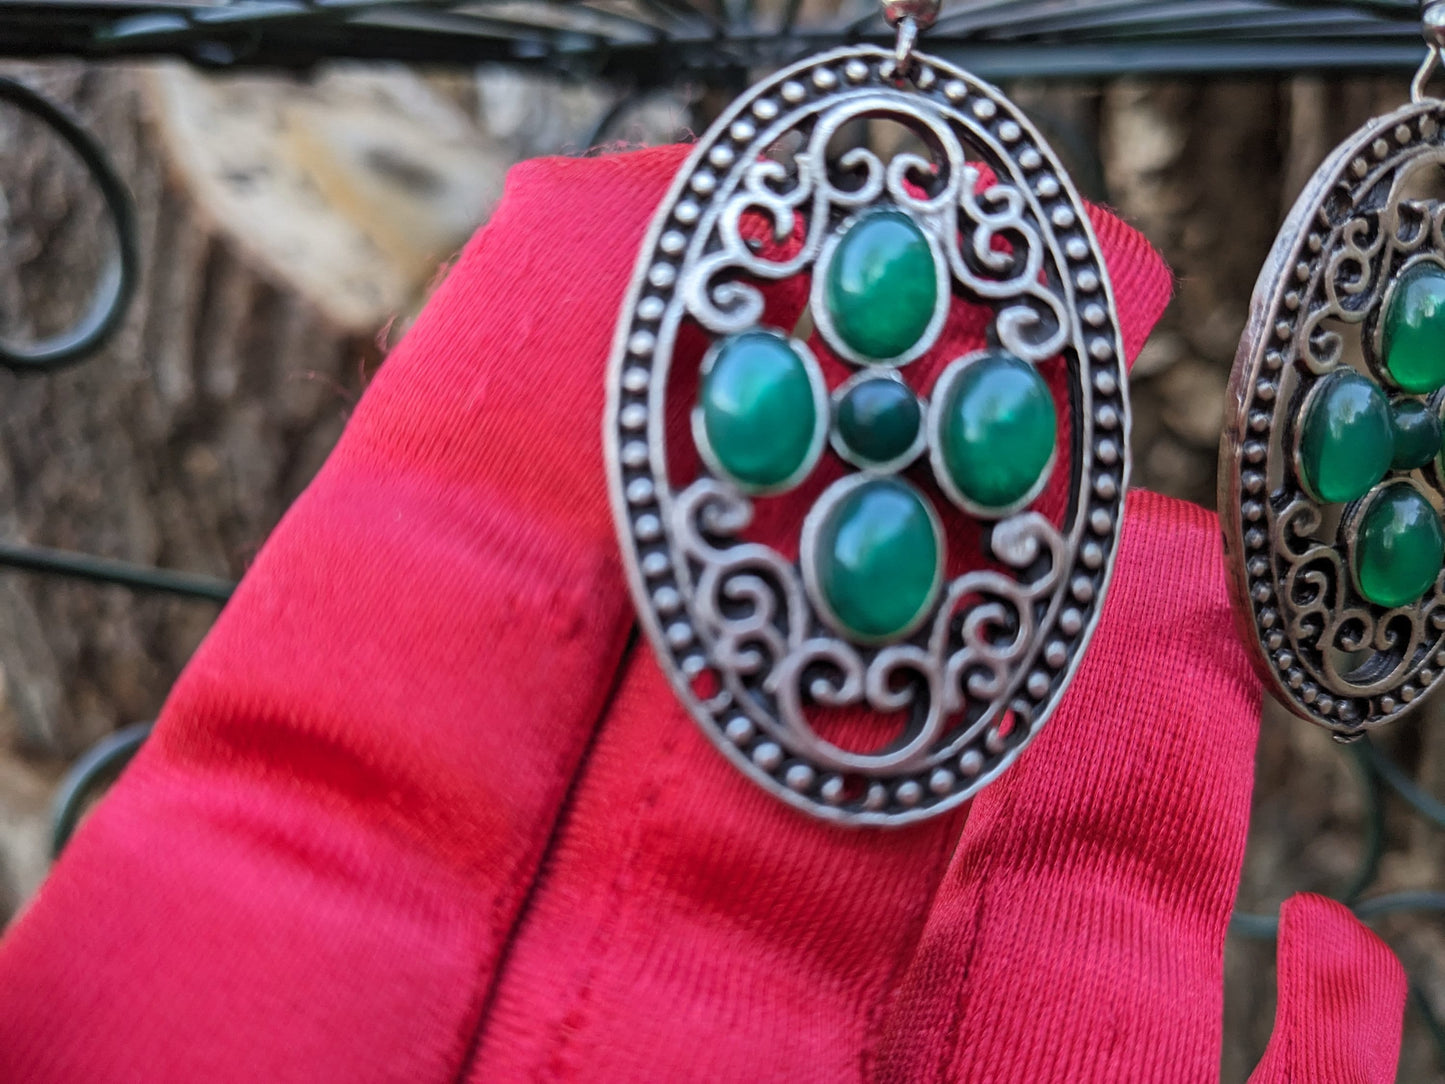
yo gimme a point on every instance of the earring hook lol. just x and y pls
(1432, 26)
(911, 18)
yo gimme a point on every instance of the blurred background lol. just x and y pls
(292, 215)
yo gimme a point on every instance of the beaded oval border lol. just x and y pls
(1326, 270)
(646, 509)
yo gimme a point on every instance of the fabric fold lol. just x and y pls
(312, 869)
(1341, 1000)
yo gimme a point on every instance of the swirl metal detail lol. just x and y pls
(1333, 656)
(734, 621)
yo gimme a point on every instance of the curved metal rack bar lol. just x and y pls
(96, 768)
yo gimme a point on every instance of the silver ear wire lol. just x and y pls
(1432, 26)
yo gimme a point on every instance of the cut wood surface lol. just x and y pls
(349, 191)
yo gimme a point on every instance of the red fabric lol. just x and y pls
(328, 863)
(1074, 932)
(1341, 998)
(1088, 898)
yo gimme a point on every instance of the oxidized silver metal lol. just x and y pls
(911, 17)
(1330, 654)
(924, 13)
(824, 319)
(1432, 26)
(735, 624)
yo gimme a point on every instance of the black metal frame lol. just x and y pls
(664, 42)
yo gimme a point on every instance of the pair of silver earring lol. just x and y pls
(1330, 476)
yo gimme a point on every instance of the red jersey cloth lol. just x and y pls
(417, 811)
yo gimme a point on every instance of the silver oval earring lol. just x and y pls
(1331, 477)
(757, 643)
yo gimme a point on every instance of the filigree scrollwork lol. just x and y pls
(751, 609)
(748, 635)
(1336, 650)
(989, 238)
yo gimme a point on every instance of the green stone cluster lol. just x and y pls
(1353, 434)
(873, 545)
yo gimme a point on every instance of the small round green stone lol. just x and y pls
(1414, 332)
(758, 409)
(877, 559)
(1346, 438)
(878, 420)
(1417, 434)
(997, 430)
(1399, 547)
(881, 285)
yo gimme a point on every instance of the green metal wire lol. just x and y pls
(1266, 927)
(97, 768)
(103, 316)
(84, 566)
(1374, 848)
(1428, 807)
(664, 42)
